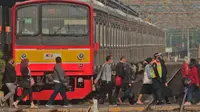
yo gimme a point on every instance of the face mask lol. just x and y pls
(111, 61)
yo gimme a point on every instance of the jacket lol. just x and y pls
(184, 69)
(25, 79)
(127, 77)
(9, 74)
(164, 71)
(120, 69)
(193, 75)
(147, 74)
(59, 74)
(105, 73)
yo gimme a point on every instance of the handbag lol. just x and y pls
(32, 81)
(118, 81)
(65, 84)
(187, 81)
(24, 83)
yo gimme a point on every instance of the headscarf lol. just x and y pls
(24, 64)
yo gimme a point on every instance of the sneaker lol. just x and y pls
(187, 103)
(67, 106)
(168, 103)
(113, 105)
(159, 103)
(140, 103)
(34, 106)
(198, 103)
(50, 106)
(15, 105)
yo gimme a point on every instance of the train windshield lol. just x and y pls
(53, 24)
(59, 19)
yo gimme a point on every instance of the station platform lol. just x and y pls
(106, 108)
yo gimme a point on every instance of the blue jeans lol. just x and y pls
(127, 92)
(193, 88)
(59, 88)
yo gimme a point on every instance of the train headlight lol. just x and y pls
(80, 56)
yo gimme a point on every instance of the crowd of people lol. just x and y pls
(26, 82)
(154, 81)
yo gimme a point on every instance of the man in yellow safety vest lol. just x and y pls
(157, 80)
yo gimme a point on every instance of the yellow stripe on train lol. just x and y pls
(70, 55)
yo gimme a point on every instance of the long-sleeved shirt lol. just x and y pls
(9, 74)
(59, 74)
(105, 73)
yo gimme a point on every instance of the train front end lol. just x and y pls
(46, 29)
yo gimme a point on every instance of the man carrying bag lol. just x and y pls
(106, 82)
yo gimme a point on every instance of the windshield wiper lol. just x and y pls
(55, 32)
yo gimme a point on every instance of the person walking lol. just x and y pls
(9, 79)
(127, 84)
(194, 85)
(60, 84)
(157, 80)
(164, 76)
(185, 69)
(26, 83)
(120, 71)
(147, 81)
(106, 82)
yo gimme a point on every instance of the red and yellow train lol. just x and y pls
(82, 33)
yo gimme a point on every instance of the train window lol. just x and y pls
(119, 32)
(104, 36)
(65, 19)
(121, 38)
(101, 35)
(125, 37)
(109, 38)
(118, 35)
(132, 38)
(27, 21)
(97, 32)
(112, 36)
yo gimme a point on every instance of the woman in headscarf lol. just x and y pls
(25, 83)
(193, 86)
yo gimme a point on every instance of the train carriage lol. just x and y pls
(83, 34)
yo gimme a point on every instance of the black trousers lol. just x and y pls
(157, 90)
(106, 88)
(25, 92)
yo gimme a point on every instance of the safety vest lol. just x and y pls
(159, 69)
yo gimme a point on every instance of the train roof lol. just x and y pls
(112, 11)
(100, 6)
